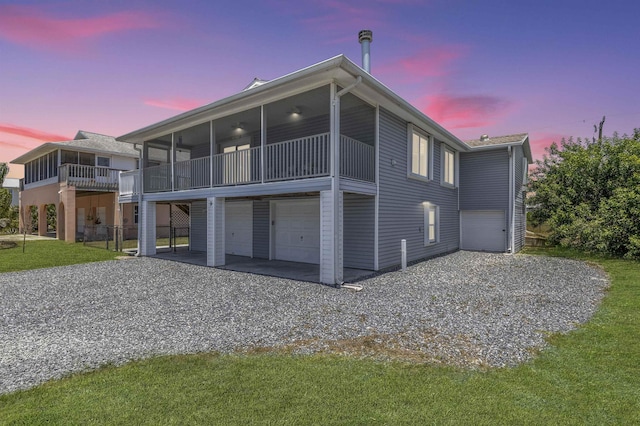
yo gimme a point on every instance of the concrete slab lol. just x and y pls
(275, 268)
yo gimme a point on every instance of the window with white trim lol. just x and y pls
(448, 166)
(104, 161)
(431, 223)
(420, 155)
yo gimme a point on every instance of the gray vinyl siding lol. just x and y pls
(484, 180)
(520, 217)
(358, 224)
(200, 151)
(198, 231)
(261, 229)
(358, 122)
(299, 129)
(401, 212)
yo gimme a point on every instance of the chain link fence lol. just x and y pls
(123, 238)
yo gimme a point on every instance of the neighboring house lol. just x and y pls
(80, 178)
(13, 185)
(325, 165)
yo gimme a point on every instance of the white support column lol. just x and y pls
(263, 141)
(215, 231)
(147, 224)
(339, 233)
(331, 238)
(173, 162)
(212, 145)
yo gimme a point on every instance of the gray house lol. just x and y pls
(492, 193)
(326, 165)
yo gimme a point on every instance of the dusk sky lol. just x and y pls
(549, 68)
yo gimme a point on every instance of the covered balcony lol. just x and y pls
(89, 178)
(286, 140)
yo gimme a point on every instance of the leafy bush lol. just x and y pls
(589, 194)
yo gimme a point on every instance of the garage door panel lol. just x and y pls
(297, 230)
(483, 230)
(239, 228)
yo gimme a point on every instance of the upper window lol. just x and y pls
(420, 154)
(448, 166)
(104, 162)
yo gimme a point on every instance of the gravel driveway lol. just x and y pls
(468, 309)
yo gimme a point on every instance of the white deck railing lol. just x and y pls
(157, 178)
(357, 159)
(88, 177)
(193, 174)
(237, 168)
(293, 159)
(298, 158)
(129, 182)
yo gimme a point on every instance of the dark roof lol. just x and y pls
(85, 142)
(499, 140)
(496, 142)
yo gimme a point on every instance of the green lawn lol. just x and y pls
(48, 253)
(589, 376)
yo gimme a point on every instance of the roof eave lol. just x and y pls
(524, 142)
(411, 113)
(139, 135)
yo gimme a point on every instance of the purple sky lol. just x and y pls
(549, 68)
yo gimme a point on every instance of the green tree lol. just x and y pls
(589, 194)
(8, 213)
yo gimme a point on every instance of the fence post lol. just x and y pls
(403, 254)
(173, 233)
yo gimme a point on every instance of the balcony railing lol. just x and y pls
(129, 182)
(192, 174)
(237, 167)
(357, 159)
(298, 158)
(301, 158)
(89, 177)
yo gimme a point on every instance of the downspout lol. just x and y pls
(140, 186)
(335, 170)
(511, 200)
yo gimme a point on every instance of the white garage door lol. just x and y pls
(297, 230)
(483, 230)
(239, 228)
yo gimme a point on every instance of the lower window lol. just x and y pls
(431, 223)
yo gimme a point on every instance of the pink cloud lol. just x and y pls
(458, 112)
(540, 141)
(32, 26)
(176, 104)
(31, 133)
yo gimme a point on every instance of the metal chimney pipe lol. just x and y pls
(365, 37)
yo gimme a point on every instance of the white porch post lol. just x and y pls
(173, 162)
(263, 141)
(215, 231)
(331, 238)
(147, 225)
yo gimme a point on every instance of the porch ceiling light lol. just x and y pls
(294, 111)
(238, 126)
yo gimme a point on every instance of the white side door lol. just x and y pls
(239, 228)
